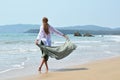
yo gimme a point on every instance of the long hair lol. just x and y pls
(45, 25)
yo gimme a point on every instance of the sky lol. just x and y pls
(61, 13)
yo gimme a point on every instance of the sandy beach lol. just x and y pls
(107, 69)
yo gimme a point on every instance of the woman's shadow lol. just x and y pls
(70, 69)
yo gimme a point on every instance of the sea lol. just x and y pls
(20, 56)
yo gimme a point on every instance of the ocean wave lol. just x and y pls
(17, 42)
(116, 38)
(61, 42)
(108, 52)
(16, 66)
(19, 50)
(13, 67)
(112, 38)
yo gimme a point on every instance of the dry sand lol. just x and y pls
(108, 69)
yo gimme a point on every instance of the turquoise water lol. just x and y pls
(18, 51)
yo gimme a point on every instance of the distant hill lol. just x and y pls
(117, 29)
(29, 28)
(17, 28)
(107, 32)
(86, 27)
(93, 29)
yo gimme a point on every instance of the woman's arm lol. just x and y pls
(58, 32)
(53, 30)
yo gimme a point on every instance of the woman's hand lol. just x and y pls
(67, 38)
(36, 42)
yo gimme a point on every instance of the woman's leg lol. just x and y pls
(43, 61)
(46, 66)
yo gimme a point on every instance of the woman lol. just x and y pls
(44, 38)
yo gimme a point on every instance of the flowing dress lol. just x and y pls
(58, 52)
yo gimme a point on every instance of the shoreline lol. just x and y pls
(106, 69)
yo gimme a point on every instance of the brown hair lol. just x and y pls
(45, 25)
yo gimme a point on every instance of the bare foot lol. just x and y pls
(46, 71)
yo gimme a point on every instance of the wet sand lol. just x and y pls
(107, 69)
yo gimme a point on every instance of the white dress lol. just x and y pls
(46, 39)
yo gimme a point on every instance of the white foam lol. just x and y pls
(61, 42)
(115, 38)
(14, 67)
(108, 52)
